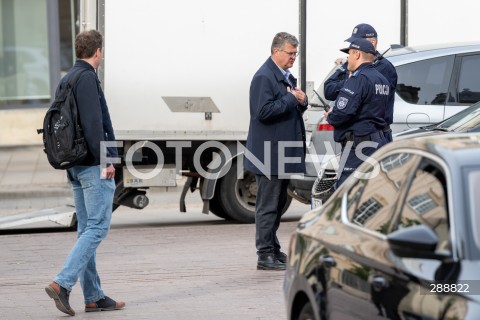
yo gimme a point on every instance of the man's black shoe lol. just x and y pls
(267, 261)
(282, 257)
(60, 295)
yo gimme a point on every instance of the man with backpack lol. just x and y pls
(92, 182)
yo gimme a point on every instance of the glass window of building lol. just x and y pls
(36, 46)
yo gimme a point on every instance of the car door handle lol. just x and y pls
(327, 261)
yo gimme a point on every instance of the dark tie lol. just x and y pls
(287, 77)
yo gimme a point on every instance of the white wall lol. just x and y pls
(329, 23)
(433, 21)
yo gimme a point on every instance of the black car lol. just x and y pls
(467, 120)
(400, 239)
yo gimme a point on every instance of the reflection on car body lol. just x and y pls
(390, 232)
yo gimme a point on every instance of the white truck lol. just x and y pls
(176, 77)
(177, 73)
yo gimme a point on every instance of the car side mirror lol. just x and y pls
(415, 242)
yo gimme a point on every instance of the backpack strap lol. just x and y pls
(72, 82)
(62, 95)
(73, 79)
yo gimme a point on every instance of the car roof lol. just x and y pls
(401, 55)
(464, 147)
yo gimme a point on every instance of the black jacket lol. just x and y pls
(93, 110)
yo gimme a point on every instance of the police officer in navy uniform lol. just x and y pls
(358, 115)
(336, 81)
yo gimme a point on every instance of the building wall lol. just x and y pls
(19, 126)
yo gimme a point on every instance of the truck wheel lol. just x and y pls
(215, 205)
(238, 196)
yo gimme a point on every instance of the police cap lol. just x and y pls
(360, 44)
(362, 30)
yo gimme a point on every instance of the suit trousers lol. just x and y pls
(271, 199)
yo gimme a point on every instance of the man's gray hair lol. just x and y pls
(281, 39)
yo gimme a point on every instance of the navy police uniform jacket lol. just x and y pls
(275, 119)
(387, 69)
(361, 104)
(336, 82)
(93, 111)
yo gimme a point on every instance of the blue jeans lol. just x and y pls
(93, 197)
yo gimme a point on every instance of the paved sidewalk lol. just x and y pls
(27, 181)
(26, 168)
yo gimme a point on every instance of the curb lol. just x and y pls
(38, 191)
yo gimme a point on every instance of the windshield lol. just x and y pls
(463, 121)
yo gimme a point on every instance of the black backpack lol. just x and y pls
(63, 138)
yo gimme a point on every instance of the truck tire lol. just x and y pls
(215, 205)
(238, 196)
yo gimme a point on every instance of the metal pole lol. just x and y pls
(404, 22)
(303, 44)
(101, 29)
(54, 45)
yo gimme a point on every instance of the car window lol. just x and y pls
(370, 201)
(469, 80)
(473, 186)
(425, 82)
(426, 204)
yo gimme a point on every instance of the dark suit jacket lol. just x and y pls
(275, 118)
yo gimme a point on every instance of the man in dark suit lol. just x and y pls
(275, 144)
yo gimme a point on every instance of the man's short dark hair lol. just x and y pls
(87, 43)
(281, 38)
